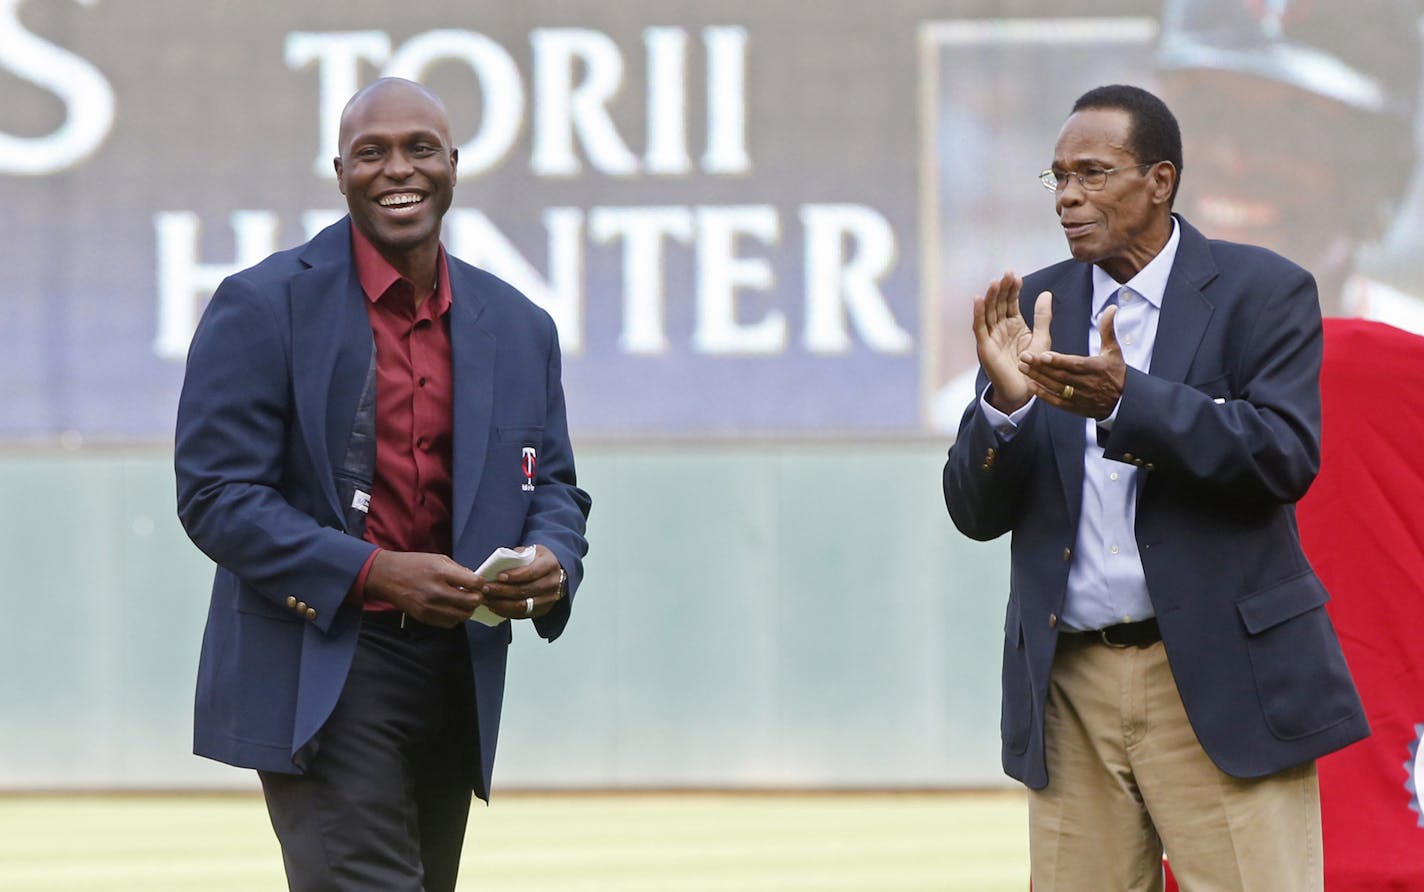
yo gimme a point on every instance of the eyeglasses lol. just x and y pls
(1092, 180)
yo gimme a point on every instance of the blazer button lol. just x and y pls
(1067, 554)
(1127, 456)
(311, 613)
(1052, 620)
(301, 606)
(292, 602)
(1149, 466)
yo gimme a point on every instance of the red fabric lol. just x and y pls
(1362, 525)
(411, 493)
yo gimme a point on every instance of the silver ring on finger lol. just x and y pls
(528, 606)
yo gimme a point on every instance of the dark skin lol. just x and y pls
(1120, 228)
(397, 171)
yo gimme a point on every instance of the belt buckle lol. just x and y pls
(1103, 634)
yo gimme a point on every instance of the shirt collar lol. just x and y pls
(1150, 281)
(377, 275)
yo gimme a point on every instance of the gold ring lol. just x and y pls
(1067, 393)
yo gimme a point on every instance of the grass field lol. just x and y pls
(656, 842)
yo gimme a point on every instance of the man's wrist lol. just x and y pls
(993, 397)
(356, 595)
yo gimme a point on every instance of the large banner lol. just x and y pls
(747, 218)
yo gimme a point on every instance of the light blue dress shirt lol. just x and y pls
(1106, 584)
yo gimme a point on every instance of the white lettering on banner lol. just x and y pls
(666, 152)
(643, 231)
(338, 55)
(850, 249)
(835, 285)
(571, 111)
(88, 99)
(501, 93)
(563, 108)
(184, 284)
(726, 101)
(721, 273)
(315, 221)
(475, 239)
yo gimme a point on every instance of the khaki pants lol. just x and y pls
(1127, 778)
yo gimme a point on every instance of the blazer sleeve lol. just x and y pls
(559, 509)
(986, 474)
(1263, 442)
(238, 471)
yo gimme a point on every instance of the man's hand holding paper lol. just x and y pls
(519, 584)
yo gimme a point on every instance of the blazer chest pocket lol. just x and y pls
(519, 448)
(1294, 656)
(527, 435)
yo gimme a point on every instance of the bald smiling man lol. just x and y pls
(363, 420)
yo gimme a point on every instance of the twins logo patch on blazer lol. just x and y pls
(528, 463)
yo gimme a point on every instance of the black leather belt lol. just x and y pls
(397, 619)
(1139, 634)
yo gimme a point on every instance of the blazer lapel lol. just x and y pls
(1185, 309)
(472, 360)
(331, 351)
(1072, 310)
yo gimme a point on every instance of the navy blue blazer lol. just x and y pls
(1225, 429)
(274, 373)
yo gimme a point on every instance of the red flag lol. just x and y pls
(1362, 525)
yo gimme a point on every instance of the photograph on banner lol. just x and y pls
(1299, 127)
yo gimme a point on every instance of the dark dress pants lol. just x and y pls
(384, 804)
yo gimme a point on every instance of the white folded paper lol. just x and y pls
(500, 559)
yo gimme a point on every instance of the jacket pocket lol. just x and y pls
(1295, 657)
(518, 452)
(1286, 600)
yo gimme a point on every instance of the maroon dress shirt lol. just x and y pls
(410, 492)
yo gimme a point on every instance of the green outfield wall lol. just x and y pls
(760, 614)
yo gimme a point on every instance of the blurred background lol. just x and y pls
(759, 226)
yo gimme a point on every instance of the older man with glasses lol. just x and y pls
(1170, 674)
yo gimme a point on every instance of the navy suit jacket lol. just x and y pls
(1225, 429)
(274, 373)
